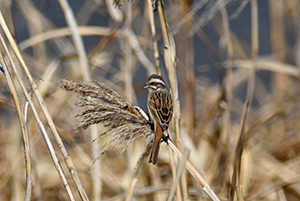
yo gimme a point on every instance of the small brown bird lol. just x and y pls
(160, 107)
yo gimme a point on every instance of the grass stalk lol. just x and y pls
(39, 122)
(49, 120)
(205, 186)
(77, 39)
(180, 170)
(170, 62)
(236, 176)
(153, 32)
(26, 145)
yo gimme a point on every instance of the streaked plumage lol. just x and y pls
(160, 106)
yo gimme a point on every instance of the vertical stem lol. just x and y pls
(77, 39)
(226, 118)
(236, 176)
(170, 61)
(278, 42)
(228, 91)
(128, 53)
(189, 64)
(195, 173)
(229, 88)
(251, 76)
(128, 78)
(180, 170)
(153, 32)
(114, 13)
(190, 79)
(96, 168)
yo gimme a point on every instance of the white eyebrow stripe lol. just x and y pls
(157, 80)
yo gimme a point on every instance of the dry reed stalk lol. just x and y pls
(83, 60)
(127, 69)
(140, 164)
(277, 34)
(236, 176)
(96, 169)
(62, 32)
(269, 65)
(174, 174)
(210, 13)
(240, 9)
(39, 122)
(170, 62)
(42, 104)
(180, 170)
(35, 26)
(92, 30)
(156, 181)
(189, 70)
(277, 29)
(221, 145)
(140, 53)
(112, 34)
(228, 87)
(29, 176)
(170, 57)
(77, 39)
(190, 80)
(22, 119)
(5, 7)
(48, 75)
(113, 12)
(130, 189)
(16, 188)
(153, 32)
(206, 188)
(128, 63)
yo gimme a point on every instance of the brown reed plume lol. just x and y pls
(101, 104)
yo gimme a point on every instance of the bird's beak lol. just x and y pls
(145, 86)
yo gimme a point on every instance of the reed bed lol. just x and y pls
(72, 78)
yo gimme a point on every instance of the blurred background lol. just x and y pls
(228, 53)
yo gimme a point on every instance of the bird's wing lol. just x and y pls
(160, 106)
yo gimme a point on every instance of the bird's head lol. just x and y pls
(155, 83)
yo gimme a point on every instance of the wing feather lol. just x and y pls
(160, 105)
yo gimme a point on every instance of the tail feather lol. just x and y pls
(156, 144)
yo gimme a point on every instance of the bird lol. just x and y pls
(160, 108)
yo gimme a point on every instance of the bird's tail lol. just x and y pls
(156, 144)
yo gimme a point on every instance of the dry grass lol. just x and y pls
(240, 129)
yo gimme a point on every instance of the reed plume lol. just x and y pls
(100, 104)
